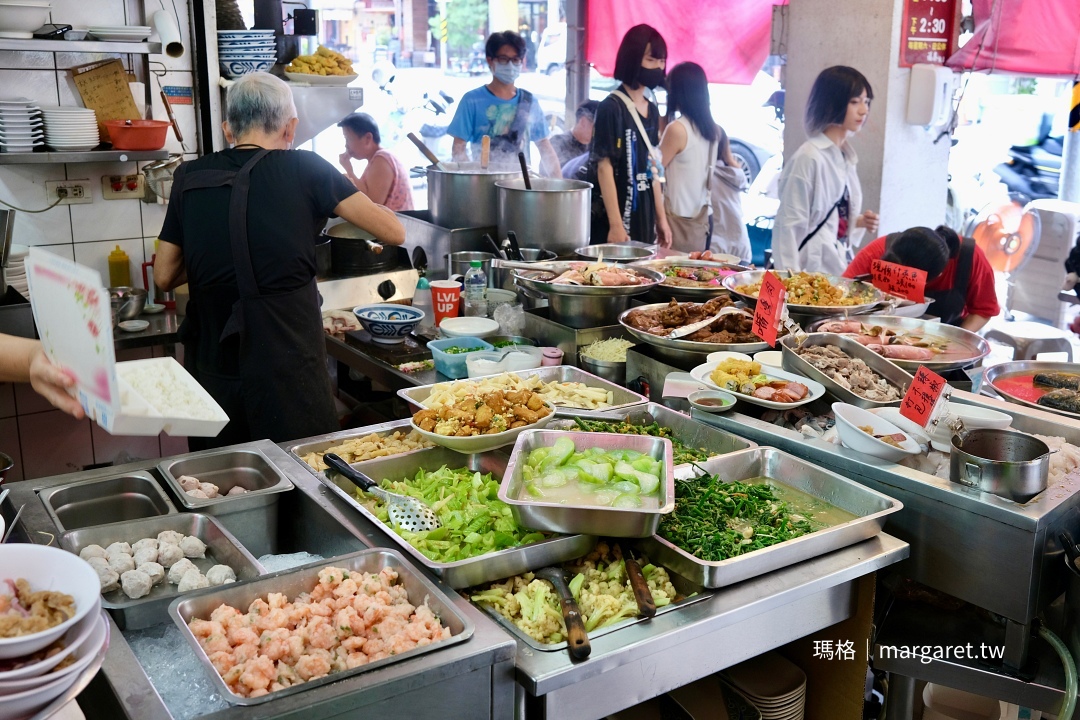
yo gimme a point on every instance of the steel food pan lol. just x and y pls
(682, 292)
(473, 571)
(683, 428)
(1027, 367)
(323, 443)
(689, 593)
(221, 549)
(869, 507)
(609, 521)
(794, 362)
(247, 466)
(874, 296)
(679, 348)
(964, 348)
(539, 279)
(130, 496)
(295, 581)
(622, 397)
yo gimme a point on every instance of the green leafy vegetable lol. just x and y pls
(683, 453)
(561, 473)
(458, 350)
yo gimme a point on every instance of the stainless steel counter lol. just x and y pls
(162, 331)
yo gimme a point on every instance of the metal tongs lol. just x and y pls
(694, 327)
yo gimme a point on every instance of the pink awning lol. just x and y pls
(729, 38)
(1026, 37)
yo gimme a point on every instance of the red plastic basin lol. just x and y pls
(137, 134)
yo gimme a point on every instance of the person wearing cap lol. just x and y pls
(959, 278)
(569, 145)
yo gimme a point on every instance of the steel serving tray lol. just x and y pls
(871, 509)
(874, 296)
(683, 428)
(609, 521)
(295, 581)
(323, 443)
(247, 466)
(221, 548)
(1026, 367)
(689, 592)
(793, 362)
(964, 350)
(130, 496)
(539, 280)
(680, 347)
(682, 292)
(472, 571)
(622, 397)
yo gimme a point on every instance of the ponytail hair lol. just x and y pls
(918, 247)
(951, 239)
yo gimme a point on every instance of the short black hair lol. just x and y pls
(632, 52)
(507, 37)
(587, 109)
(361, 124)
(918, 247)
(829, 97)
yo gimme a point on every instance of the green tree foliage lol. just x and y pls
(466, 22)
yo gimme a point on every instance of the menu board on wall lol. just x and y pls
(929, 31)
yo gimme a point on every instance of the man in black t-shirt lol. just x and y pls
(253, 332)
(569, 145)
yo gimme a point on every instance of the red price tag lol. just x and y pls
(922, 396)
(907, 282)
(770, 308)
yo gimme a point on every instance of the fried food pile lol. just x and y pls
(728, 329)
(816, 289)
(324, 62)
(484, 413)
(25, 612)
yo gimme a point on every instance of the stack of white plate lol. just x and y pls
(776, 686)
(71, 129)
(246, 51)
(20, 125)
(15, 272)
(120, 33)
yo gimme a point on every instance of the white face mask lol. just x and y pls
(506, 73)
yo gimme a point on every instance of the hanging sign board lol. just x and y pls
(928, 31)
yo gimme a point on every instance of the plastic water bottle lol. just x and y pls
(422, 301)
(475, 290)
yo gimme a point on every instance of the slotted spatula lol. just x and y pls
(694, 327)
(407, 512)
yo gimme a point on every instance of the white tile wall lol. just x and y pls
(96, 255)
(7, 400)
(178, 9)
(81, 14)
(39, 85)
(9, 444)
(25, 59)
(185, 114)
(54, 443)
(24, 187)
(120, 449)
(104, 219)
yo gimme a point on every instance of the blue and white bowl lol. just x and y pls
(235, 68)
(387, 323)
(229, 57)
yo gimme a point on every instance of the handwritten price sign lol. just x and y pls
(922, 396)
(770, 308)
(907, 282)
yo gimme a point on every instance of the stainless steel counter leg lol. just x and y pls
(1017, 637)
(901, 701)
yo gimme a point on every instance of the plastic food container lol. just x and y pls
(453, 365)
(137, 134)
(510, 359)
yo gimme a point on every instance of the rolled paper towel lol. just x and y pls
(169, 34)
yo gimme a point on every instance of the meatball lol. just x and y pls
(198, 494)
(98, 563)
(92, 551)
(144, 543)
(193, 547)
(170, 536)
(136, 584)
(121, 562)
(118, 547)
(237, 490)
(154, 570)
(193, 580)
(168, 554)
(220, 574)
(176, 572)
(145, 555)
(210, 489)
(187, 482)
(109, 578)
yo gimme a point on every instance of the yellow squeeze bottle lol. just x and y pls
(119, 268)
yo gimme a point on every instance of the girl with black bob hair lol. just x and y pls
(820, 219)
(625, 165)
(959, 278)
(688, 147)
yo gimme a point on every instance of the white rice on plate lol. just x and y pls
(169, 393)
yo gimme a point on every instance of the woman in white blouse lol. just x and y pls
(820, 219)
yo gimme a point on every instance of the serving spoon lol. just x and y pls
(406, 512)
(694, 327)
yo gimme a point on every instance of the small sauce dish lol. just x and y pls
(712, 401)
(134, 326)
(152, 308)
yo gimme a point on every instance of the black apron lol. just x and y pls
(949, 304)
(281, 389)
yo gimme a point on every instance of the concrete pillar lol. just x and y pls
(904, 175)
(414, 20)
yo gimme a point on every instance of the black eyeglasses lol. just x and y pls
(504, 60)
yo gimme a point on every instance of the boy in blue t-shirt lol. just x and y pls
(510, 116)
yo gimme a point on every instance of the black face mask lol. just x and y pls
(651, 77)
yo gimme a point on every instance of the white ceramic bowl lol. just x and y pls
(21, 19)
(84, 655)
(477, 327)
(695, 398)
(912, 428)
(483, 443)
(73, 640)
(770, 358)
(49, 568)
(848, 420)
(717, 357)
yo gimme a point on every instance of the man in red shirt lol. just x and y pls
(958, 276)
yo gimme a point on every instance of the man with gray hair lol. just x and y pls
(241, 230)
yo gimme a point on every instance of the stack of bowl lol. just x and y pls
(15, 272)
(20, 125)
(41, 666)
(776, 686)
(71, 129)
(246, 51)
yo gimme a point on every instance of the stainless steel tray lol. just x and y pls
(683, 428)
(221, 548)
(871, 509)
(678, 347)
(691, 593)
(322, 443)
(965, 348)
(793, 362)
(473, 571)
(1026, 367)
(610, 521)
(130, 496)
(876, 297)
(681, 292)
(539, 280)
(299, 580)
(622, 397)
(248, 466)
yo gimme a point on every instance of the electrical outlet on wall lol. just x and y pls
(68, 192)
(123, 187)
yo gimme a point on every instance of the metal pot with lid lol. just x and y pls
(356, 252)
(463, 195)
(1008, 463)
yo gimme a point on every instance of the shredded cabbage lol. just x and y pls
(610, 350)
